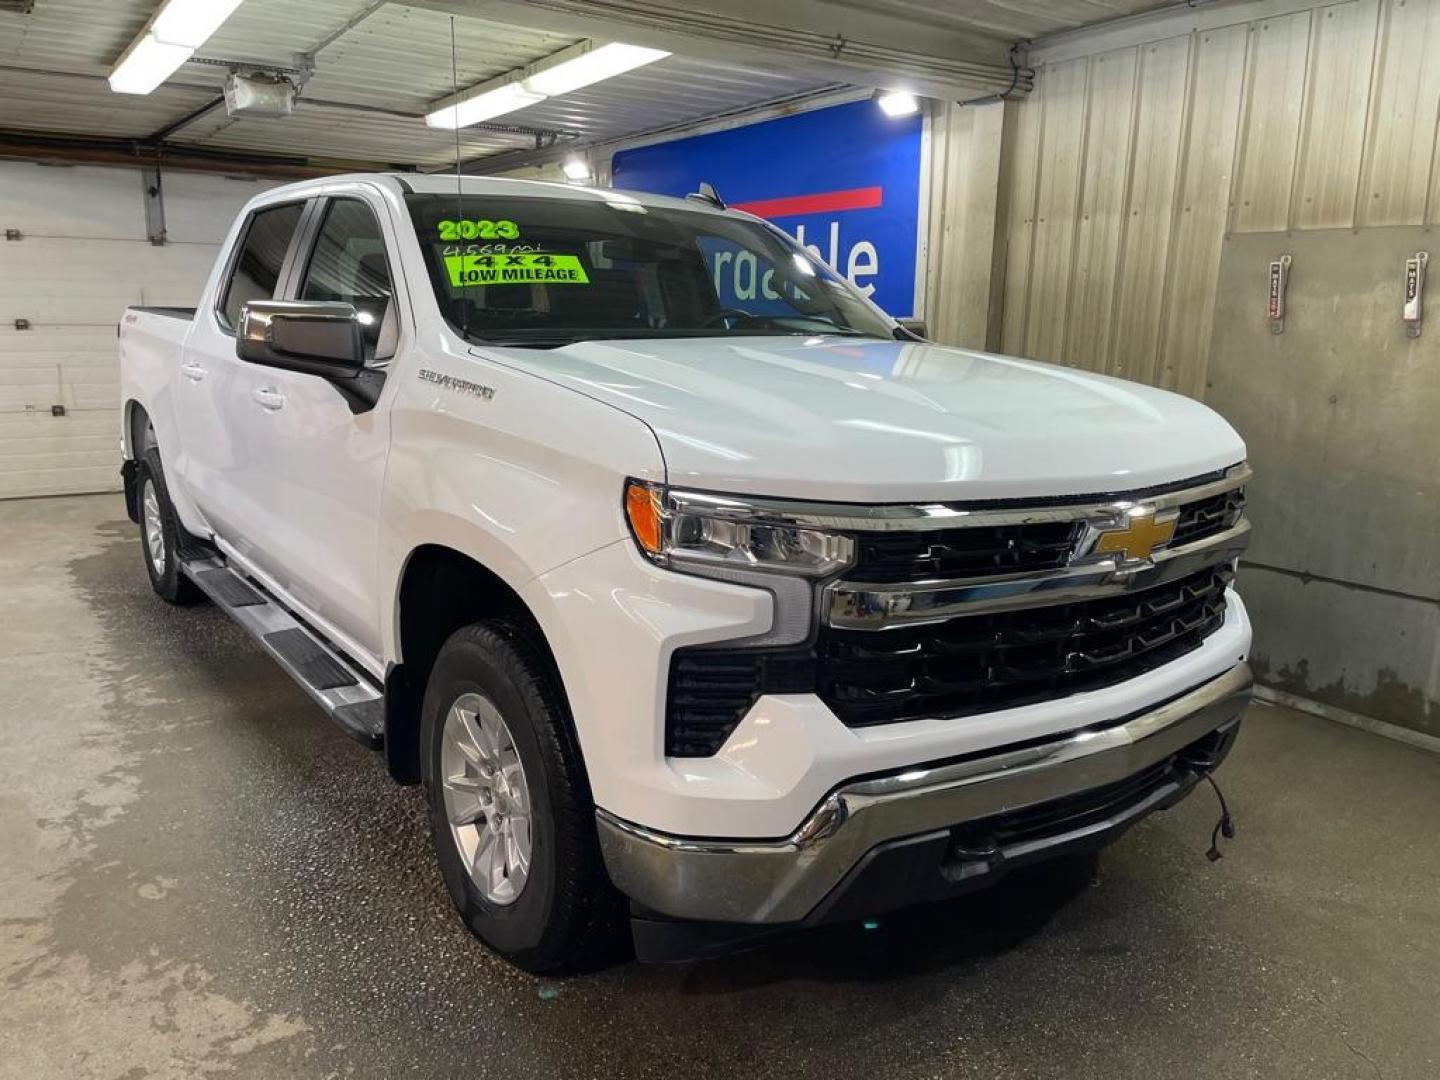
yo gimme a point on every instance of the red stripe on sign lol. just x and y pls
(860, 198)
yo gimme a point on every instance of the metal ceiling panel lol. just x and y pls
(1013, 20)
(378, 66)
(319, 130)
(399, 57)
(84, 105)
(672, 91)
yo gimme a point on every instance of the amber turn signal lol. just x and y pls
(642, 508)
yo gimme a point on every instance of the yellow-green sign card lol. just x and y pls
(539, 269)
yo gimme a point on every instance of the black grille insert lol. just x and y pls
(964, 552)
(968, 664)
(983, 550)
(711, 690)
(975, 663)
(1206, 517)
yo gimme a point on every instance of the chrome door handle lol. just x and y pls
(192, 371)
(267, 397)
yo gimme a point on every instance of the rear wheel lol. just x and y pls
(510, 808)
(160, 532)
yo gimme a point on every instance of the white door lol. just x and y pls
(313, 466)
(211, 394)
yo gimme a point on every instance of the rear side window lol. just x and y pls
(348, 264)
(262, 253)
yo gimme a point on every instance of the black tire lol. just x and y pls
(165, 577)
(567, 916)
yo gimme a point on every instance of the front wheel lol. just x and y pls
(160, 535)
(510, 808)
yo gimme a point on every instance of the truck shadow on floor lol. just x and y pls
(913, 941)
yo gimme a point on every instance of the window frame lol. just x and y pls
(282, 281)
(308, 232)
(306, 256)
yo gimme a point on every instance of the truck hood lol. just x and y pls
(880, 421)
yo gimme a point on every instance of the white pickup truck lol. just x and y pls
(697, 591)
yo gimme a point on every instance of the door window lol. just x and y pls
(348, 265)
(256, 272)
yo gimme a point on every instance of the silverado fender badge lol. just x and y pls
(460, 386)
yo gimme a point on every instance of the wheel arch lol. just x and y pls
(138, 434)
(439, 590)
(139, 430)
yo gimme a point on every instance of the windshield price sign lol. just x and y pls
(500, 269)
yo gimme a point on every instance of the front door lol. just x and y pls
(208, 455)
(313, 467)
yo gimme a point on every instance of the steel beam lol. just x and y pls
(817, 38)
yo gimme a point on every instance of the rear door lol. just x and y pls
(313, 468)
(208, 413)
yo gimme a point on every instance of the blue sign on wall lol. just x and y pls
(844, 181)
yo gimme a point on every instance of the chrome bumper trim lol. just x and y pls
(782, 881)
(856, 606)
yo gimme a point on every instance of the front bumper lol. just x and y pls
(826, 868)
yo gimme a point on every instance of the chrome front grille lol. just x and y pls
(949, 611)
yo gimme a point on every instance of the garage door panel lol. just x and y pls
(200, 208)
(71, 282)
(44, 448)
(96, 365)
(60, 310)
(65, 481)
(79, 201)
(19, 432)
(45, 374)
(61, 457)
(83, 258)
(73, 396)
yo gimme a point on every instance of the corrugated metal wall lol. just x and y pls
(1129, 165)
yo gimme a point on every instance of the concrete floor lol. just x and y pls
(200, 875)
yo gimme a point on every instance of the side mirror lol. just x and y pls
(915, 328)
(313, 337)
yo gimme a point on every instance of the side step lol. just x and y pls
(341, 688)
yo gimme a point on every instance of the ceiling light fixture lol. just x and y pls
(168, 40)
(568, 70)
(897, 102)
(576, 169)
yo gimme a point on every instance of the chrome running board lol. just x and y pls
(337, 684)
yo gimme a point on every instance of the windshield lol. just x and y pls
(546, 272)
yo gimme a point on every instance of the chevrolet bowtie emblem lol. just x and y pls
(1136, 538)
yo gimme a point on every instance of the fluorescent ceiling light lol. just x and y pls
(897, 103)
(191, 22)
(563, 73)
(497, 102)
(168, 40)
(576, 168)
(147, 64)
(603, 63)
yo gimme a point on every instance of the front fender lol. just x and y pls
(521, 481)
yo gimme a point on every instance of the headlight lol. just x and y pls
(688, 529)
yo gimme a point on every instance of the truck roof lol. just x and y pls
(445, 184)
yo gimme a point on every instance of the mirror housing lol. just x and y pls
(915, 328)
(313, 337)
